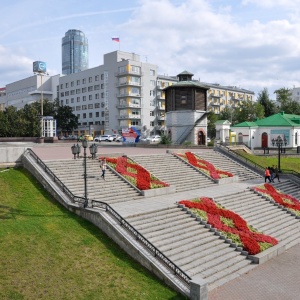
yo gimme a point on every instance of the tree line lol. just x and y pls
(26, 122)
(250, 111)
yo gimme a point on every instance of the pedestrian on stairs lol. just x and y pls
(276, 170)
(267, 174)
(103, 167)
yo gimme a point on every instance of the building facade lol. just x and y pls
(75, 52)
(31, 89)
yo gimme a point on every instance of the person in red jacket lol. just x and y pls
(267, 174)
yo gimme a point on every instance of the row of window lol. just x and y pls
(81, 81)
(84, 98)
(82, 90)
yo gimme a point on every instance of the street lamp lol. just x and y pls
(279, 142)
(84, 145)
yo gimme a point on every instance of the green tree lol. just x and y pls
(66, 120)
(211, 128)
(268, 105)
(229, 113)
(286, 103)
(249, 111)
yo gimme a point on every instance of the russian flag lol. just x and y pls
(115, 39)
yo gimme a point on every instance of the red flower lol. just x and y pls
(249, 239)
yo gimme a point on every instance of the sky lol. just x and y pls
(251, 44)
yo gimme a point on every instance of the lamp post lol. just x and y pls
(76, 151)
(279, 142)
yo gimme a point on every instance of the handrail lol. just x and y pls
(177, 271)
(256, 165)
(247, 160)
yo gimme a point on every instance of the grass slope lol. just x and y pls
(49, 253)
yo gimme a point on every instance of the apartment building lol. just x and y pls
(119, 94)
(296, 94)
(2, 98)
(218, 97)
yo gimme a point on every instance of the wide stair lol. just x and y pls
(172, 170)
(226, 164)
(264, 216)
(191, 246)
(112, 190)
(288, 187)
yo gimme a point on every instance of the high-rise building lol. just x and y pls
(75, 52)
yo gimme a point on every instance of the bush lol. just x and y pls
(165, 139)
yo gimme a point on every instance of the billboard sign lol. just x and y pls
(130, 135)
(39, 67)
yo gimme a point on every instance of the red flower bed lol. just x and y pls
(250, 240)
(137, 175)
(205, 166)
(285, 200)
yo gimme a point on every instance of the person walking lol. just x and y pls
(103, 167)
(276, 171)
(272, 173)
(267, 174)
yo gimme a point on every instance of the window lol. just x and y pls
(97, 87)
(78, 82)
(90, 97)
(83, 81)
(134, 123)
(62, 94)
(67, 101)
(90, 115)
(152, 72)
(72, 100)
(90, 79)
(78, 107)
(84, 116)
(152, 82)
(102, 104)
(78, 116)
(97, 96)
(97, 114)
(73, 92)
(151, 124)
(102, 86)
(77, 91)
(67, 93)
(97, 78)
(97, 105)
(102, 95)
(102, 76)
(183, 100)
(83, 90)
(135, 69)
(90, 88)
(151, 113)
(135, 112)
(83, 107)
(90, 106)
(102, 113)
(67, 84)
(62, 102)
(84, 98)
(73, 108)
(122, 69)
(78, 99)
(61, 86)
(72, 83)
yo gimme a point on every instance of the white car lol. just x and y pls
(154, 138)
(105, 138)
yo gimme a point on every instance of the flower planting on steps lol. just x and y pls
(230, 224)
(134, 173)
(286, 200)
(204, 166)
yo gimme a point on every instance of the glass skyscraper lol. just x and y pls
(74, 52)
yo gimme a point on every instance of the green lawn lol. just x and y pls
(49, 253)
(286, 162)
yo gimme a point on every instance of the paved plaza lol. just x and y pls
(279, 278)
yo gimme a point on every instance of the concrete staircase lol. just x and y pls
(112, 190)
(192, 246)
(172, 170)
(288, 187)
(226, 164)
(264, 216)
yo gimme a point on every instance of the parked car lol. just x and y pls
(87, 137)
(105, 138)
(116, 136)
(119, 139)
(154, 138)
(208, 139)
